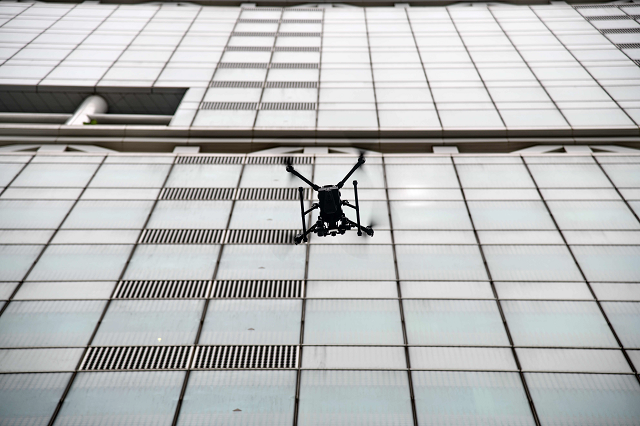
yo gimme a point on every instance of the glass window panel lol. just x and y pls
(65, 290)
(452, 358)
(415, 158)
(434, 237)
(120, 194)
(30, 398)
(623, 175)
(194, 214)
(421, 176)
(580, 194)
(593, 215)
(368, 176)
(55, 175)
(602, 237)
(458, 398)
(150, 322)
(635, 357)
(59, 359)
(573, 360)
(50, 323)
(440, 263)
(7, 157)
(354, 398)
(454, 322)
(252, 322)
(140, 398)
(351, 262)
(609, 263)
(531, 263)
(273, 176)
(239, 398)
(356, 322)
(93, 236)
(501, 194)
(32, 214)
(520, 237)
(584, 399)
(131, 176)
(625, 318)
(15, 260)
(558, 159)
(6, 290)
(108, 214)
(172, 262)
(265, 215)
(494, 176)
(8, 172)
(204, 176)
(543, 290)
(352, 289)
(139, 159)
(425, 194)
(569, 176)
(430, 215)
(41, 193)
(616, 291)
(80, 263)
(579, 324)
(446, 290)
(354, 357)
(494, 215)
(262, 262)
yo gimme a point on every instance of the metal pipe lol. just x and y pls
(161, 120)
(33, 117)
(92, 105)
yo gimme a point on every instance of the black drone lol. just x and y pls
(331, 220)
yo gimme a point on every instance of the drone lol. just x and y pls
(331, 220)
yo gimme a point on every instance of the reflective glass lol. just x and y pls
(453, 358)
(265, 214)
(593, 215)
(50, 323)
(30, 399)
(32, 214)
(494, 176)
(579, 324)
(440, 263)
(446, 290)
(623, 175)
(172, 262)
(352, 289)
(128, 176)
(573, 360)
(569, 176)
(65, 290)
(239, 262)
(8, 172)
(520, 237)
(204, 176)
(15, 261)
(354, 357)
(461, 398)
(149, 322)
(543, 290)
(96, 236)
(625, 318)
(351, 262)
(616, 291)
(421, 176)
(364, 322)
(252, 322)
(274, 176)
(454, 322)
(239, 398)
(585, 399)
(57, 359)
(146, 398)
(55, 175)
(510, 215)
(354, 398)
(368, 176)
(609, 263)
(531, 263)
(108, 214)
(429, 215)
(80, 263)
(192, 214)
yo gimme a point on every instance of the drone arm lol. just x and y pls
(355, 191)
(313, 207)
(360, 162)
(304, 234)
(366, 229)
(302, 212)
(293, 171)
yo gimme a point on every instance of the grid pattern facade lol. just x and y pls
(497, 290)
(495, 68)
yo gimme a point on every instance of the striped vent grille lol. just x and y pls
(295, 65)
(252, 34)
(292, 84)
(208, 159)
(298, 34)
(607, 18)
(197, 193)
(258, 288)
(248, 49)
(155, 289)
(243, 65)
(238, 84)
(213, 357)
(137, 358)
(272, 194)
(290, 106)
(628, 46)
(296, 49)
(260, 236)
(230, 105)
(279, 160)
(181, 236)
(620, 31)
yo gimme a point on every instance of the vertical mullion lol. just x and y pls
(584, 276)
(616, 188)
(525, 387)
(399, 290)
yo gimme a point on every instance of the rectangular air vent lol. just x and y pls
(237, 84)
(156, 289)
(243, 65)
(628, 46)
(296, 49)
(299, 66)
(607, 18)
(291, 84)
(302, 21)
(288, 106)
(229, 105)
(251, 34)
(181, 236)
(197, 194)
(248, 49)
(620, 31)
(259, 21)
(136, 358)
(597, 6)
(208, 159)
(279, 160)
(272, 194)
(260, 236)
(299, 34)
(258, 288)
(214, 357)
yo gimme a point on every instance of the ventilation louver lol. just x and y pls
(607, 18)
(273, 357)
(197, 194)
(299, 34)
(237, 84)
(293, 65)
(181, 236)
(110, 358)
(279, 160)
(248, 49)
(251, 34)
(296, 49)
(234, 65)
(620, 31)
(292, 84)
(156, 289)
(260, 236)
(258, 288)
(230, 105)
(302, 21)
(208, 159)
(288, 106)
(272, 194)
(628, 46)
(259, 21)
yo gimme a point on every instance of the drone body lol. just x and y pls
(331, 220)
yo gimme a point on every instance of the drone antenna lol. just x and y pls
(293, 171)
(360, 162)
